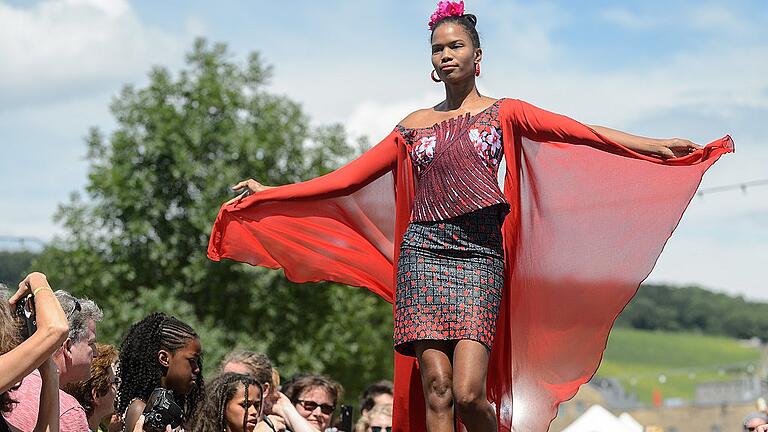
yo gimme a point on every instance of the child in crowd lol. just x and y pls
(233, 404)
(159, 351)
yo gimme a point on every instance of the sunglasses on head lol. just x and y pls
(75, 309)
(381, 429)
(312, 405)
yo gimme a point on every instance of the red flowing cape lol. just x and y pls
(589, 219)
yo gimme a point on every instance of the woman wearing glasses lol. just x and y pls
(377, 419)
(314, 397)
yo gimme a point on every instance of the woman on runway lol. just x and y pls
(507, 293)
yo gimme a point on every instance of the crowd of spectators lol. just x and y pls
(54, 376)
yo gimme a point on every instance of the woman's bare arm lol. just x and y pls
(52, 331)
(663, 148)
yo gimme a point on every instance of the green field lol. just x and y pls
(637, 358)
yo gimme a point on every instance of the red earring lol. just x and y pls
(477, 69)
(434, 78)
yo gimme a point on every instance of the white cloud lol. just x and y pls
(717, 17)
(59, 49)
(629, 20)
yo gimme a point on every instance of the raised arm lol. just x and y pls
(52, 331)
(370, 165)
(542, 125)
(663, 148)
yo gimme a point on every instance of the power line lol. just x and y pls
(22, 241)
(742, 186)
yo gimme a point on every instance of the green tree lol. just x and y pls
(137, 243)
(12, 266)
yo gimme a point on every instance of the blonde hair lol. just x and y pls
(364, 423)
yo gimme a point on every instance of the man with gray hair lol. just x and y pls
(73, 359)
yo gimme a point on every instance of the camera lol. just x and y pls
(346, 422)
(25, 312)
(162, 410)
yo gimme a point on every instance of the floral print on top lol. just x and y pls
(485, 135)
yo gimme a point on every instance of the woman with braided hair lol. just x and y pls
(504, 294)
(159, 351)
(233, 403)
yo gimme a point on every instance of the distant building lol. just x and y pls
(745, 390)
(616, 398)
(683, 417)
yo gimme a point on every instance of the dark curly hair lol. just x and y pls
(211, 417)
(140, 371)
(467, 21)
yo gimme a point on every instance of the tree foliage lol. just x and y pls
(695, 309)
(136, 243)
(12, 266)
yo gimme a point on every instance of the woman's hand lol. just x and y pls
(675, 147)
(33, 281)
(139, 427)
(246, 188)
(282, 405)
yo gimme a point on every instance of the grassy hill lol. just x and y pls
(637, 358)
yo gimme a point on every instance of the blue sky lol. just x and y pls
(693, 69)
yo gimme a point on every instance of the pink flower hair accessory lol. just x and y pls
(446, 9)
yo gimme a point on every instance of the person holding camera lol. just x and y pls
(18, 359)
(72, 361)
(160, 371)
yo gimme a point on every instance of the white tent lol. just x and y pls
(631, 423)
(599, 419)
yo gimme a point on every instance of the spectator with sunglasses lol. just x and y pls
(377, 419)
(97, 393)
(73, 360)
(314, 397)
(753, 421)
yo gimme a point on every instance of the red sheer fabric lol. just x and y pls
(588, 222)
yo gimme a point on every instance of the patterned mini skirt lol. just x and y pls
(450, 277)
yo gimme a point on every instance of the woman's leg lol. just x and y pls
(470, 369)
(436, 371)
